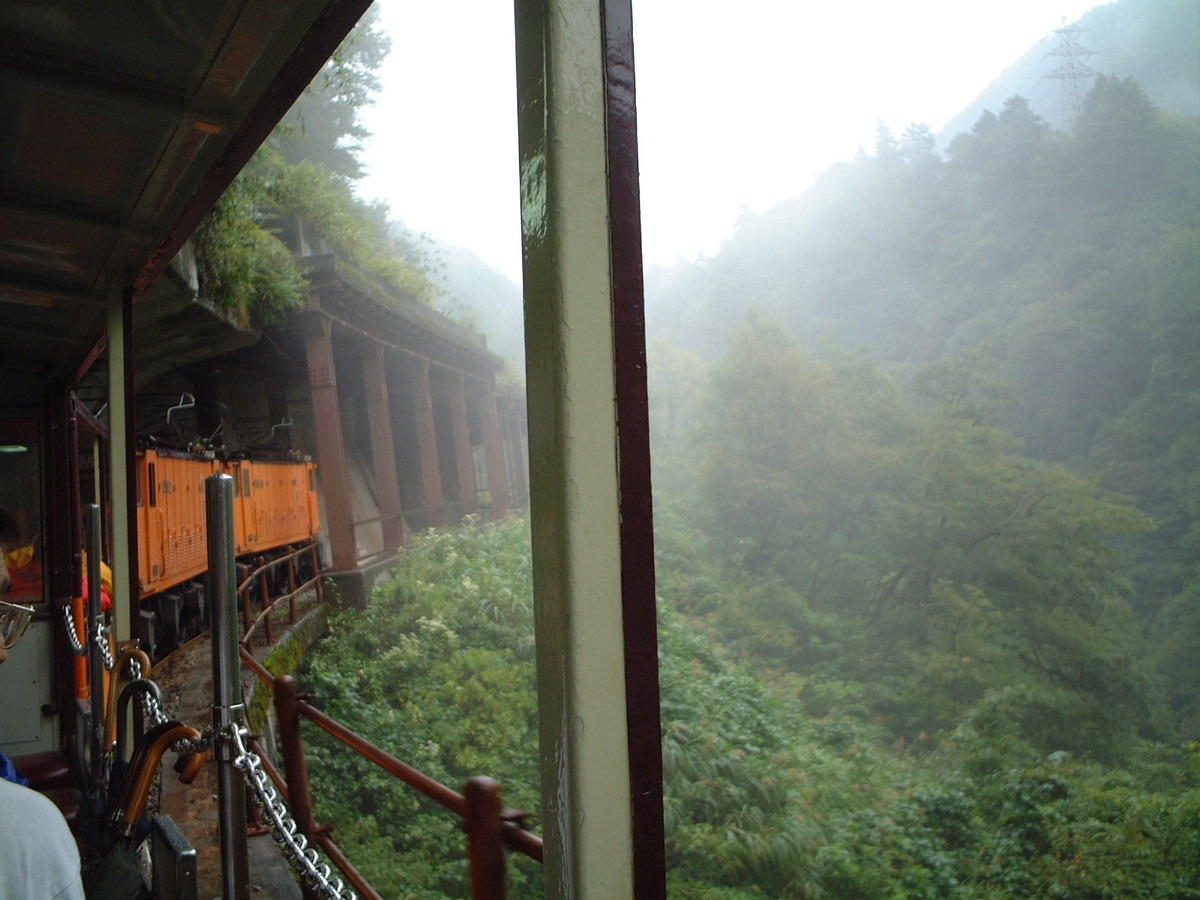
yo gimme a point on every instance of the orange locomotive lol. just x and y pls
(275, 510)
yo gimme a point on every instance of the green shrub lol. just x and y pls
(776, 785)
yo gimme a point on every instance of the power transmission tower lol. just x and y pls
(1072, 71)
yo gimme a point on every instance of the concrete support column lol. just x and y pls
(383, 451)
(431, 470)
(331, 452)
(467, 488)
(493, 453)
(590, 512)
(514, 442)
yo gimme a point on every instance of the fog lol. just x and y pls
(740, 105)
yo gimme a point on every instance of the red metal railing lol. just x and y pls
(488, 825)
(257, 583)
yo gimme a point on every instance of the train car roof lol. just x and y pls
(123, 124)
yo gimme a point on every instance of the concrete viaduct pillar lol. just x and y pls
(431, 471)
(335, 482)
(467, 488)
(383, 450)
(493, 453)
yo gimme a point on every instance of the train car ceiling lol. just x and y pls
(123, 123)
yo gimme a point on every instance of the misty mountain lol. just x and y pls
(1057, 268)
(1059, 250)
(853, 256)
(475, 293)
(1157, 42)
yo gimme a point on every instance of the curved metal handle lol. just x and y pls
(110, 715)
(142, 767)
(186, 401)
(121, 716)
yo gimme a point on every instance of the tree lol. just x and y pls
(246, 267)
(324, 125)
(923, 539)
(303, 172)
(783, 464)
(676, 379)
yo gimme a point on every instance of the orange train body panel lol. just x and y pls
(275, 504)
(172, 537)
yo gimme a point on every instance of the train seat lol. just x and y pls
(50, 774)
(68, 801)
(47, 770)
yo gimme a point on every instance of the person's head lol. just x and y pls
(13, 619)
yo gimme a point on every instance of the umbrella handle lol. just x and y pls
(142, 767)
(189, 764)
(138, 685)
(110, 719)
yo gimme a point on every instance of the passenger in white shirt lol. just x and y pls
(38, 856)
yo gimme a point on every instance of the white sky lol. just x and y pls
(740, 104)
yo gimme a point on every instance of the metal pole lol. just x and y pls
(94, 635)
(228, 711)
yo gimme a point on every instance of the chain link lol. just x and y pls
(154, 715)
(195, 745)
(304, 859)
(72, 633)
(151, 711)
(100, 639)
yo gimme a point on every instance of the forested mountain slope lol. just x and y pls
(778, 785)
(913, 256)
(1058, 269)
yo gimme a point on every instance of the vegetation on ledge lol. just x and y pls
(305, 172)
